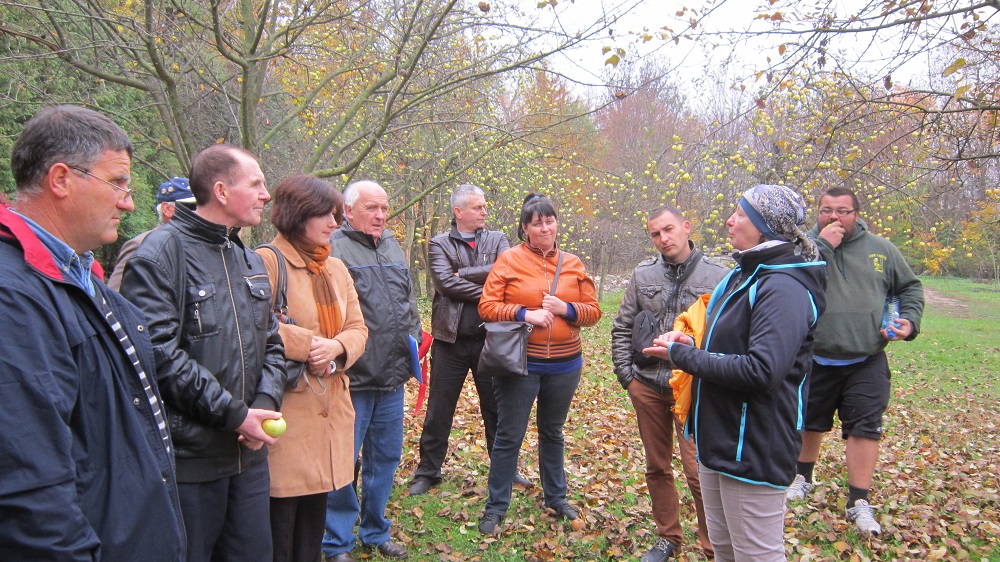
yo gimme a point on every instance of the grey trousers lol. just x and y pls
(745, 521)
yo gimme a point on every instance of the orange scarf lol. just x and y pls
(324, 294)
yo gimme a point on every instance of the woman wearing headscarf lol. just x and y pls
(749, 373)
(519, 288)
(316, 453)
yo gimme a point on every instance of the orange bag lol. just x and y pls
(691, 322)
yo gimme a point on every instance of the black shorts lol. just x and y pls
(859, 394)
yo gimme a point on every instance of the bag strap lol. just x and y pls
(279, 298)
(555, 278)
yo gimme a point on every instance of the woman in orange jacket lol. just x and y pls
(519, 287)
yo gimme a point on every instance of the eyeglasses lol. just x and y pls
(126, 190)
(840, 212)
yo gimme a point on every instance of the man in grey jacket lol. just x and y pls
(665, 286)
(382, 278)
(460, 261)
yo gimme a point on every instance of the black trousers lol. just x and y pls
(228, 520)
(297, 526)
(450, 364)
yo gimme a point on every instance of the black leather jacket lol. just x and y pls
(449, 254)
(207, 301)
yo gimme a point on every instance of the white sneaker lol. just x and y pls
(863, 517)
(799, 488)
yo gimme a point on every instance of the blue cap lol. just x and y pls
(174, 190)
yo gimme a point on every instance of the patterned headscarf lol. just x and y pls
(779, 213)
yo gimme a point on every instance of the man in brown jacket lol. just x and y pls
(460, 261)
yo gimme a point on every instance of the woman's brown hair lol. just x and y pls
(301, 197)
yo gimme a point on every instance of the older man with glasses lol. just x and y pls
(866, 277)
(87, 464)
(120, 184)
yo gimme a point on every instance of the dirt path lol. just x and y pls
(941, 302)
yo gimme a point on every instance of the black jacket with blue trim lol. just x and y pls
(747, 403)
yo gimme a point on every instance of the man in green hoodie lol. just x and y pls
(850, 376)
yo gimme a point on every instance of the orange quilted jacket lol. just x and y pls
(520, 277)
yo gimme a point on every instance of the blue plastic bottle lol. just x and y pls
(890, 315)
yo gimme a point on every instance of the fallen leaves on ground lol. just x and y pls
(936, 489)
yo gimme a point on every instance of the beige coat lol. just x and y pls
(316, 453)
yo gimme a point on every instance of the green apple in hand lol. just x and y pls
(274, 428)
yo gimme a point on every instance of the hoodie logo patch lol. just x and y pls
(878, 262)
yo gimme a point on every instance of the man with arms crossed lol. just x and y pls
(220, 360)
(666, 286)
(460, 261)
(86, 462)
(850, 373)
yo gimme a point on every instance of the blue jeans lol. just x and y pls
(515, 396)
(378, 438)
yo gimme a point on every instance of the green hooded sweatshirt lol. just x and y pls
(861, 273)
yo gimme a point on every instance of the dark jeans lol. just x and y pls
(450, 365)
(228, 519)
(297, 527)
(515, 396)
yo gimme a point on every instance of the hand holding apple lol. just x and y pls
(274, 428)
(252, 428)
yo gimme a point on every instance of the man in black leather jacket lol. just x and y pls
(219, 358)
(460, 261)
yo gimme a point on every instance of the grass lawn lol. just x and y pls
(936, 488)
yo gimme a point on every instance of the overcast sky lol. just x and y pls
(715, 47)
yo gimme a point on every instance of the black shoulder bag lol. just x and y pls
(505, 352)
(279, 305)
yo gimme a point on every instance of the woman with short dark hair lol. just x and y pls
(519, 288)
(316, 453)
